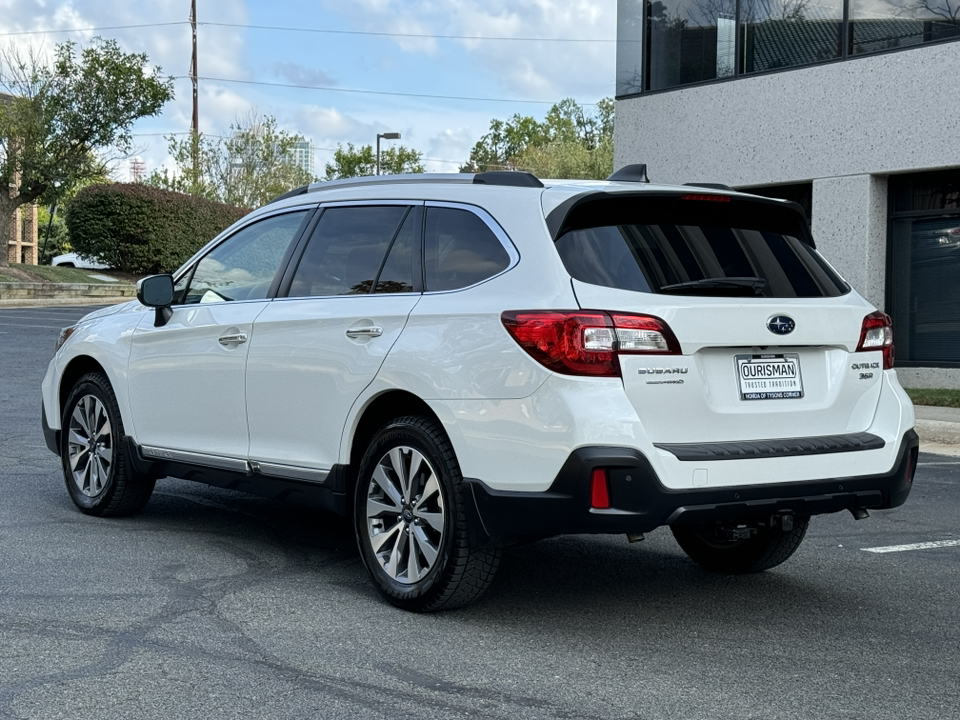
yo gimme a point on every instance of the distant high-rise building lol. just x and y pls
(303, 155)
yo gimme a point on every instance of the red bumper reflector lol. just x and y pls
(599, 490)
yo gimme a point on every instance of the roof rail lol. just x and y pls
(292, 193)
(509, 178)
(631, 173)
(710, 186)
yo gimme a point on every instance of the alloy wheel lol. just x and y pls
(405, 514)
(90, 445)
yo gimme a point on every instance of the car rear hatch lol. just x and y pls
(767, 332)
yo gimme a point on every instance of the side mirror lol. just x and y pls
(156, 291)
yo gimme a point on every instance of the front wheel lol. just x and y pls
(97, 472)
(740, 549)
(410, 520)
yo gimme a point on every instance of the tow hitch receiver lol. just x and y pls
(786, 522)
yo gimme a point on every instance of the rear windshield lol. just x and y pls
(690, 247)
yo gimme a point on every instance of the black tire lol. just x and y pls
(424, 519)
(708, 546)
(99, 478)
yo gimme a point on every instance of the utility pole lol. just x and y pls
(193, 66)
(195, 134)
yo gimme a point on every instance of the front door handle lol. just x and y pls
(237, 339)
(370, 331)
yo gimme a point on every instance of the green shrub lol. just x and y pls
(141, 229)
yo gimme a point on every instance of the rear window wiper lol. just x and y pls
(726, 283)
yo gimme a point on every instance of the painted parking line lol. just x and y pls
(914, 546)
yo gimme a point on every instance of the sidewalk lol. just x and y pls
(939, 429)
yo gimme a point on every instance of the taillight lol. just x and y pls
(587, 342)
(877, 334)
(705, 198)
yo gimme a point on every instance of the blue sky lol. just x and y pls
(231, 48)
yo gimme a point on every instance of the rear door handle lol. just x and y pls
(237, 339)
(370, 331)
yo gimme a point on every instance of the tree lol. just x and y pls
(359, 162)
(568, 143)
(63, 120)
(247, 168)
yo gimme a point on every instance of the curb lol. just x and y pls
(938, 432)
(62, 301)
(48, 293)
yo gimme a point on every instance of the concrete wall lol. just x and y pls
(874, 115)
(850, 227)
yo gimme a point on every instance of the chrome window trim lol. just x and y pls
(367, 203)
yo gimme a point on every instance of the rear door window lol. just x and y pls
(349, 248)
(688, 247)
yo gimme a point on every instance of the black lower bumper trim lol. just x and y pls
(784, 447)
(50, 436)
(641, 503)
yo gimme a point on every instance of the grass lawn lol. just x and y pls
(936, 397)
(5, 278)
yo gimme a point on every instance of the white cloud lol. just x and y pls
(529, 70)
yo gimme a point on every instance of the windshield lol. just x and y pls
(672, 246)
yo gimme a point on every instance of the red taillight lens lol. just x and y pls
(877, 334)
(587, 342)
(705, 198)
(599, 490)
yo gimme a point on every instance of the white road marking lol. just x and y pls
(915, 546)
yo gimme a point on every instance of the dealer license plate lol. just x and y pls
(769, 377)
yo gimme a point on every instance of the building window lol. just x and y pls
(662, 44)
(781, 34)
(629, 47)
(924, 297)
(689, 41)
(901, 23)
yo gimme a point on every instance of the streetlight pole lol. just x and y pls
(385, 136)
(53, 211)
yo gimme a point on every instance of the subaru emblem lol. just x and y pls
(781, 325)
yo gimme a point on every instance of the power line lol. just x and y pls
(315, 147)
(92, 29)
(326, 31)
(408, 35)
(379, 92)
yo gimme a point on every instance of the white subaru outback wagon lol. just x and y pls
(465, 362)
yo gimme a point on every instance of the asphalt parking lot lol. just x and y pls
(211, 604)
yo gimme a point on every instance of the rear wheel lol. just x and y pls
(741, 549)
(97, 472)
(410, 520)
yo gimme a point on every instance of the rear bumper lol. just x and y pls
(640, 502)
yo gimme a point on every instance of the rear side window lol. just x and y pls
(349, 247)
(675, 246)
(460, 250)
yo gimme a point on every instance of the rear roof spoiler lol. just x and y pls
(558, 218)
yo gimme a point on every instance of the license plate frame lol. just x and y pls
(772, 376)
